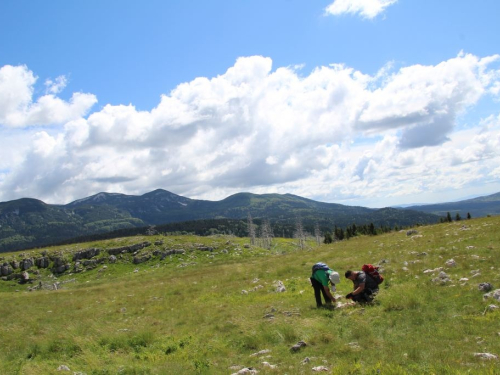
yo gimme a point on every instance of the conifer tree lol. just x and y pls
(372, 229)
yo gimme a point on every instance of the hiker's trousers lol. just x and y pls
(318, 289)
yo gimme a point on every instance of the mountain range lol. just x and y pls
(477, 207)
(27, 222)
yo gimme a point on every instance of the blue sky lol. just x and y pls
(367, 102)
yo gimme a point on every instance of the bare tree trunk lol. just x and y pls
(266, 234)
(299, 233)
(251, 230)
(317, 234)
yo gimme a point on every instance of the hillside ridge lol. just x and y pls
(29, 222)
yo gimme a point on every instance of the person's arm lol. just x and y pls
(328, 293)
(359, 289)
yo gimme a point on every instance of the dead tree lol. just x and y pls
(266, 233)
(317, 234)
(251, 229)
(299, 233)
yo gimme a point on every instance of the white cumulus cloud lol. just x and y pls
(331, 134)
(366, 8)
(17, 108)
(57, 85)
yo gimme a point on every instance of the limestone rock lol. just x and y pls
(495, 295)
(6, 269)
(43, 262)
(280, 287)
(86, 254)
(298, 346)
(451, 263)
(246, 370)
(485, 287)
(488, 356)
(442, 278)
(320, 368)
(142, 259)
(265, 351)
(26, 264)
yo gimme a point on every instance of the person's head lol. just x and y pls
(334, 277)
(351, 275)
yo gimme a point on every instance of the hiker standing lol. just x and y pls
(321, 274)
(364, 286)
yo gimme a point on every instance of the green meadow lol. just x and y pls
(218, 312)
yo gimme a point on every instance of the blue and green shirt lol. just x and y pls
(322, 276)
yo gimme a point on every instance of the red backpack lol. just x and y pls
(371, 270)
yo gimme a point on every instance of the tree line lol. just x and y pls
(448, 218)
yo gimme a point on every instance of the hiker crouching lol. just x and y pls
(320, 277)
(365, 286)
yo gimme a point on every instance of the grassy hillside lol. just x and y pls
(206, 311)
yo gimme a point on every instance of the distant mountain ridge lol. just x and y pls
(30, 222)
(477, 207)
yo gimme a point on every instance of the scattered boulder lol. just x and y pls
(112, 259)
(488, 356)
(86, 254)
(280, 287)
(320, 368)
(495, 295)
(434, 270)
(77, 267)
(485, 287)
(14, 264)
(26, 264)
(492, 307)
(63, 368)
(60, 265)
(164, 254)
(43, 262)
(6, 269)
(411, 232)
(246, 370)
(142, 259)
(265, 351)
(267, 364)
(25, 278)
(128, 249)
(204, 248)
(354, 345)
(298, 346)
(451, 263)
(89, 263)
(442, 278)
